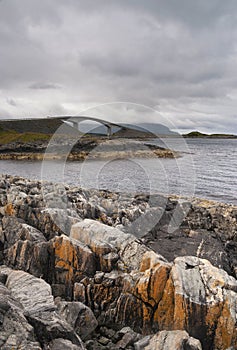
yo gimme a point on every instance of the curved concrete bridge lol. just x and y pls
(50, 124)
(76, 120)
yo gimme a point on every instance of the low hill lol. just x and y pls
(197, 134)
(37, 125)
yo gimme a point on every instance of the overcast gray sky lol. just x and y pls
(178, 56)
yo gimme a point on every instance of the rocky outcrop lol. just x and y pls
(36, 299)
(82, 268)
(82, 148)
(15, 330)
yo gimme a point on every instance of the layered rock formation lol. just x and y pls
(105, 271)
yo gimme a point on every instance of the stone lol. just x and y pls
(125, 281)
(35, 296)
(128, 339)
(142, 343)
(72, 260)
(103, 341)
(102, 239)
(199, 298)
(79, 316)
(175, 340)
(15, 330)
(63, 344)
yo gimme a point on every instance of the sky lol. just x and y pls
(165, 61)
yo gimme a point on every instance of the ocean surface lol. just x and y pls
(207, 169)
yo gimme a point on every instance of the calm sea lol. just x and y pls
(206, 169)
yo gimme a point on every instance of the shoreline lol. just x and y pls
(81, 156)
(87, 149)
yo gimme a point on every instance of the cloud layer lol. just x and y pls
(62, 57)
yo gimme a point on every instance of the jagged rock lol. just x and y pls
(36, 298)
(175, 340)
(28, 256)
(15, 331)
(104, 240)
(201, 299)
(14, 229)
(79, 316)
(101, 238)
(127, 337)
(142, 343)
(63, 344)
(61, 261)
(121, 279)
(190, 295)
(72, 261)
(182, 242)
(151, 284)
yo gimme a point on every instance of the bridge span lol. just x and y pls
(50, 124)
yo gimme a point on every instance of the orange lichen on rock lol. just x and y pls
(226, 331)
(72, 259)
(9, 210)
(150, 286)
(164, 314)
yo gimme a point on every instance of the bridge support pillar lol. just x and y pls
(75, 124)
(109, 130)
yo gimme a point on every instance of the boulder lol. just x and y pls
(175, 340)
(79, 316)
(36, 298)
(15, 331)
(109, 244)
(200, 299)
(14, 229)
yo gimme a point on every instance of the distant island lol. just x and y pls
(197, 134)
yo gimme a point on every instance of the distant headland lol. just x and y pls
(197, 134)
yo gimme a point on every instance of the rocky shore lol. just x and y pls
(85, 148)
(103, 270)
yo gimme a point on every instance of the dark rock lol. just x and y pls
(79, 316)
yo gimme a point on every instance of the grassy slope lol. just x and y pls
(7, 136)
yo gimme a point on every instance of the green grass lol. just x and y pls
(8, 136)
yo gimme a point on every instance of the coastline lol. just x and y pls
(92, 149)
(93, 255)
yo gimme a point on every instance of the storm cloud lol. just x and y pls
(178, 57)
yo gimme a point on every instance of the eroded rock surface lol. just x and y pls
(35, 297)
(167, 340)
(119, 271)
